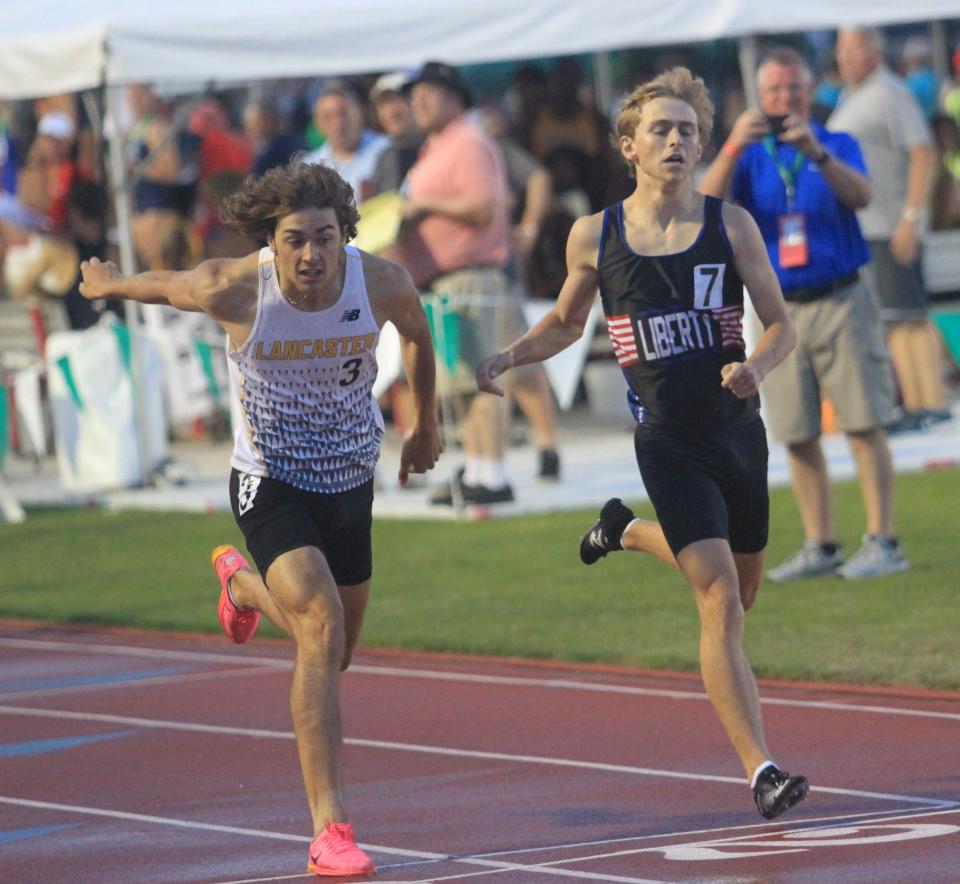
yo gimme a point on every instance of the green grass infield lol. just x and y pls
(516, 587)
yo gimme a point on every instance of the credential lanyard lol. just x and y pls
(787, 173)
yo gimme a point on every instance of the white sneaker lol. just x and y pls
(810, 561)
(876, 557)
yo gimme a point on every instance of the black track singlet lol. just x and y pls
(674, 321)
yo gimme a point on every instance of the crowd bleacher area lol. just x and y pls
(187, 152)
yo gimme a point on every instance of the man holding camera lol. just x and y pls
(803, 184)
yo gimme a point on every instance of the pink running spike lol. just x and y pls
(334, 852)
(238, 623)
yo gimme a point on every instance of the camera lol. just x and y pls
(776, 123)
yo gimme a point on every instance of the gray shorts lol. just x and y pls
(482, 313)
(899, 290)
(841, 356)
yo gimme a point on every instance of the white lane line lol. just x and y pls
(148, 722)
(441, 750)
(623, 768)
(28, 644)
(464, 677)
(161, 820)
(134, 683)
(283, 836)
(276, 878)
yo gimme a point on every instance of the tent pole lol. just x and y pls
(603, 82)
(120, 191)
(747, 53)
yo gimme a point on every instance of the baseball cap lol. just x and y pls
(390, 83)
(441, 75)
(56, 124)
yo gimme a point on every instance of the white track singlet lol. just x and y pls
(304, 382)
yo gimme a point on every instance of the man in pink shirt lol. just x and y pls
(455, 243)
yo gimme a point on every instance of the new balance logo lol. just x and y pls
(350, 316)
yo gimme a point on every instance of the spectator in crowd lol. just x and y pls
(165, 166)
(54, 272)
(8, 152)
(272, 146)
(395, 117)
(531, 195)
(222, 148)
(878, 110)
(950, 93)
(826, 93)
(50, 169)
(803, 185)
(945, 205)
(226, 157)
(524, 100)
(221, 240)
(918, 74)
(40, 206)
(455, 243)
(349, 147)
(569, 122)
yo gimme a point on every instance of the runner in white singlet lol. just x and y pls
(302, 318)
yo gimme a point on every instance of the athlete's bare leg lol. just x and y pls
(710, 567)
(646, 536)
(305, 602)
(249, 591)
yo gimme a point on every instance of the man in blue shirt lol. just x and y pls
(803, 184)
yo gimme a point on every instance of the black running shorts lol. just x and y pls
(707, 486)
(276, 518)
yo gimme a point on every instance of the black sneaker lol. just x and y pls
(777, 791)
(443, 496)
(604, 536)
(549, 470)
(930, 417)
(482, 494)
(469, 494)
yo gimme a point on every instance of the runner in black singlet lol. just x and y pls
(671, 265)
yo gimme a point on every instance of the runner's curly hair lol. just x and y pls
(678, 83)
(259, 205)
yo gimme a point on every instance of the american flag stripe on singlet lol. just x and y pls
(730, 320)
(620, 330)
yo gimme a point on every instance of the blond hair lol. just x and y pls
(676, 83)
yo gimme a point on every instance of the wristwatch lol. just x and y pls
(912, 213)
(822, 157)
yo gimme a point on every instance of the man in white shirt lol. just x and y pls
(878, 110)
(348, 147)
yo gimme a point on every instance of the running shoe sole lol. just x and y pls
(794, 791)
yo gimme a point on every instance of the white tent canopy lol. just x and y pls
(49, 46)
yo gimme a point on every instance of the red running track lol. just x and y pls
(149, 758)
